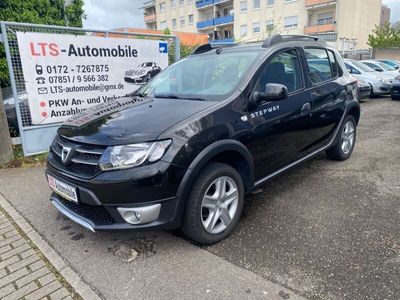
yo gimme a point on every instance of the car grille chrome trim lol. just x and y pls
(84, 161)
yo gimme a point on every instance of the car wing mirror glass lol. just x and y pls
(272, 92)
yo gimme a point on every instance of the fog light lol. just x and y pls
(140, 215)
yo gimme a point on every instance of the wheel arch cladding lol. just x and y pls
(230, 152)
(354, 110)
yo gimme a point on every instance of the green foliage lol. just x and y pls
(51, 12)
(385, 36)
(167, 31)
(185, 51)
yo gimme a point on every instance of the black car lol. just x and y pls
(9, 108)
(364, 89)
(396, 88)
(188, 146)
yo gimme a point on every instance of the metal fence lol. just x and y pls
(37, 138)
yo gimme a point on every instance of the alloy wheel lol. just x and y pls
(219, 204)
(347, 137)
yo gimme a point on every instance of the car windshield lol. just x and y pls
(390, 63)
(201, 77)
(386, 67)
(362, 67)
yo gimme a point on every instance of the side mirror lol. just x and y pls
(272, 92)
(378, 69)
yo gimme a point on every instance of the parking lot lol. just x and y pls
(324, 230)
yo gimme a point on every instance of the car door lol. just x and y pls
(278, 128)
(328, 95)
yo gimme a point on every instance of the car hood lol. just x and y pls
(129, 120)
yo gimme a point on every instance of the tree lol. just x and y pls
(51, 12)
(385, 36)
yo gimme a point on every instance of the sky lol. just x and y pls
(111, 14)
(107, 14)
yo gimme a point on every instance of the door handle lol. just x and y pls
(306, 109)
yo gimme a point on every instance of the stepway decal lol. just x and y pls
(66, 74)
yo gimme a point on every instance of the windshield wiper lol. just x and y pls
(173, 96)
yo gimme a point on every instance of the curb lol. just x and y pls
(73, 279)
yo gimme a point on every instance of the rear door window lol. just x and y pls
(320, 68)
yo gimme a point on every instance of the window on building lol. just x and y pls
(269, 25)
(243, 30)
(290, 1)
(256, 4)
(270, 2)
(243, 6)
(182, 21)
(319, 66)
(191, 20)
(163, 6)
(285, 69)
(190, 2)
(181, 2)
(173, 3)
(174, 23)
(325, 18)
(163, 25)
(256, 27)
(291, 22)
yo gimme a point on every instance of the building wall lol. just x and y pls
(385, 15)
(390, 53)
(166, 16)
(356, 19)
(353, 19)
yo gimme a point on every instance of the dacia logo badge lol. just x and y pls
(65, 154)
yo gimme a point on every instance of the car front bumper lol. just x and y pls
(136, 80)
(104, 200)
(396, 89)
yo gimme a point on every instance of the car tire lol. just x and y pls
(346, 140)
(148, 77)
(210, 216)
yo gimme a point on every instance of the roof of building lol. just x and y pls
(186, 38)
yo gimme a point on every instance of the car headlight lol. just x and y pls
(398, 77)
(385, 81)
(133, 155)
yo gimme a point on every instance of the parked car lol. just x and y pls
(396, 88)
(189, 145)
(9, 107)
(381, 67)
(143, 73)
(392, 63)
(381, 83)
(364, 89)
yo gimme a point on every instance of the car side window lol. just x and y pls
(284, 68)
(319, 65)
(333, 63)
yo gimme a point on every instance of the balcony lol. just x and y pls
(223, 41)
(319, 28)
(215, 22)
(205, 3)
(150, 18)
(149, 4)
(317, 3)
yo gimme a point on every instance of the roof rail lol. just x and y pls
(208, 47)
(278, 38)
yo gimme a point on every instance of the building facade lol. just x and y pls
(345, 24)
(385, 15)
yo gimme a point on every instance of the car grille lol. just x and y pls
(97, 214)
(84, 161)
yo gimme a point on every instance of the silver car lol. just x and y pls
(381, 83)
(381, 67)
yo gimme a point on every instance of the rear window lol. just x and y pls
(322, 65)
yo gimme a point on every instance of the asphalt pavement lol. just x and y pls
(324, 230)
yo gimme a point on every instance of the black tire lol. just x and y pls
(336, 152)
(395, 98)
(192, 224)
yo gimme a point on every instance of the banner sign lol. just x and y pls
(65, 74)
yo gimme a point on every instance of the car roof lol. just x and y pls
(272, 41)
